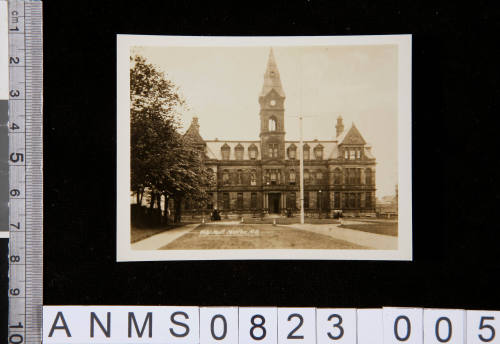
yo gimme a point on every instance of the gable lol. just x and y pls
(353, 137)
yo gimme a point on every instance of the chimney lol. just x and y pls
(339, 126)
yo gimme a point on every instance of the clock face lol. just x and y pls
(272, 102)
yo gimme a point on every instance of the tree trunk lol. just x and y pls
(166, 208)
(177, 204)
(158, 201)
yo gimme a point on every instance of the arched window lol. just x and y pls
(368, 176)
(337, 176)
(225, 149)
(319, 176)
(211, 179)
(238, 152)
(225, 177)
(253, 177)
(239, 177)
(272, 124)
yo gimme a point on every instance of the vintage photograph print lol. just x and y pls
(264, 148)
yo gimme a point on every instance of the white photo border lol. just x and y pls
(405, 224)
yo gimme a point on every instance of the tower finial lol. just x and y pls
(272, 79)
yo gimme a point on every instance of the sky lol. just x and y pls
(221, 86)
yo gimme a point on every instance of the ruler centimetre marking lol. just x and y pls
(25, 171)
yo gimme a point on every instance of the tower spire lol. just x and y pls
(272, 79)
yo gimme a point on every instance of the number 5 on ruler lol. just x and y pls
(483, 327)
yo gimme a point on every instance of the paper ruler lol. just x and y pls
(25, 171)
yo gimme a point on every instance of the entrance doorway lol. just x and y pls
(274, 203)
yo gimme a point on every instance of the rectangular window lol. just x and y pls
(346, 155)
(368, 201)
(292, 177)
(336, 200)
(225, 200)
(358, 154)
(253, 200)
(319, 177)
(352, 200)
(306, 176)
(273, 177)
(306, 199)
(225, 154)
(273, 150)
(239, 200)
(352, 154)
(319, 200)
(291, 153)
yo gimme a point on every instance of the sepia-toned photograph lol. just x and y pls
(264, 148)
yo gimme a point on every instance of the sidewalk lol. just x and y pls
(368, 240)
(159, 240)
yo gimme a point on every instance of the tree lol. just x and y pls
(163, 162)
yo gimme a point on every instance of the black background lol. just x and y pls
(455, 175)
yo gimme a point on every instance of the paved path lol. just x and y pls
(369, 240)
(156, 241)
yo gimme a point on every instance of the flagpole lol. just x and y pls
(301, 153)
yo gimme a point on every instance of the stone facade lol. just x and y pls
(259, 177)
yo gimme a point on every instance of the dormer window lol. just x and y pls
(292, 152)
(318, 152)
(306, 152)
(352, 154)
(225, 150)
(252, 152)
(238, 152)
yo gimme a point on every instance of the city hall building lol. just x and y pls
(260, 177)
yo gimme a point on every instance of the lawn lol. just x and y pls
(286, 220)
(378, 227)
(253, 236)
(137, 234)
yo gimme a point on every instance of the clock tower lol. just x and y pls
(272, 113)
